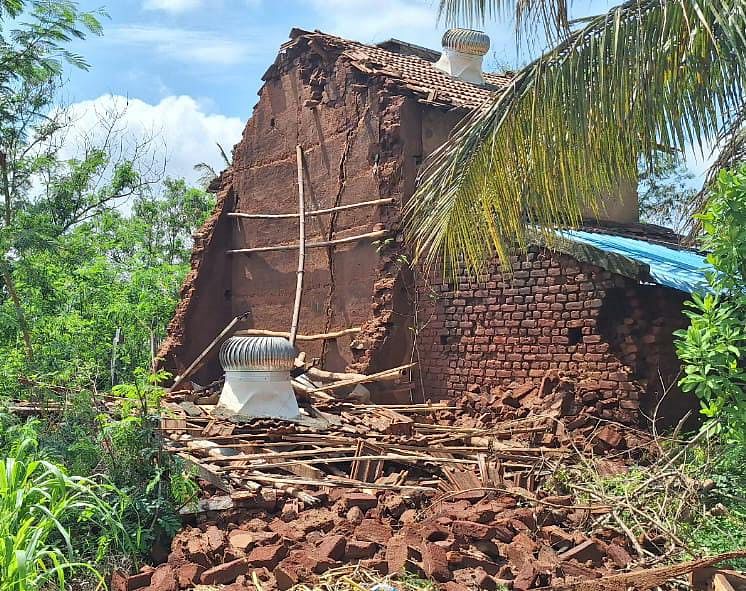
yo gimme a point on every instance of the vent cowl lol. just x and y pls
(463, 51)
(466, 41)
(257, 354)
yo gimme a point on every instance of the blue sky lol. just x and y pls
(190, 69)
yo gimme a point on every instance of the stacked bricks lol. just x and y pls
(552, 313)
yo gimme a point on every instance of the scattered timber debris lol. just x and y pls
(451, 491)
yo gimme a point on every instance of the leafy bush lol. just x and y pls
(47, 518)
(124, 448)
(712, 347)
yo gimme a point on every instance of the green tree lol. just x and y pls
(574, 123)
(113, 274)
(33, 49)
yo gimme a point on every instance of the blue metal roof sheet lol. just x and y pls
(680, 269)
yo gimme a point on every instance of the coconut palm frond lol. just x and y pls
(224, 156)
(731, 151)
(731, 146)
(572, 125)
(551, 15)
(206, 174)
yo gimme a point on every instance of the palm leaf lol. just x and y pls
(552, 15)
(731, 151)
(573, 125)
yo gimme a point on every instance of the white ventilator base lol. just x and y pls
(259, 394)
(461, 65)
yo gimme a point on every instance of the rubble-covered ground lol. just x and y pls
(500, 511)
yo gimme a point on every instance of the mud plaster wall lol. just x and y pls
(610, 333)
(204, 308)
(353, 132)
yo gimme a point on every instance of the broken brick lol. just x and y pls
(470, 529)
(333, 547)
(267, 556)
(363, 501)
(398, 554)
(189, 574)
(240, 539)
(618, 555)
(285, 577)
(163, 579)
(591, 550)
(435, 562)
(225, 573)
(360, 549)
(372, 530)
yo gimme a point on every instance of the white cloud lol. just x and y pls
(186, 45)
(184, 134)
(174, 6)
(376, 20)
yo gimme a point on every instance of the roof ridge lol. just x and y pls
(409, 70)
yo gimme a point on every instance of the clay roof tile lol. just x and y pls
(406, 65)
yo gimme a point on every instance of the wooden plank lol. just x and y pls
(411, 459)
(285, 216)
(300, 468)
(204, 472)
(366, 470)
(334, 483)
(328, 336)
(323, 244)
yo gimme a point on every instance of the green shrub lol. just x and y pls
(47, 517)
(712, 348)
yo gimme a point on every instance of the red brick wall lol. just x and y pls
(554, 312)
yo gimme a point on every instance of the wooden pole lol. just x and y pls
(291, 216)
(301, 247)
(369, 235)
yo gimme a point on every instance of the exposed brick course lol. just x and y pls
(552, 313)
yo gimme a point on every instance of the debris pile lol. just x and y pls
(466, 540)
(451, 491)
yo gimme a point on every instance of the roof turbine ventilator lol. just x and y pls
(257, 377)
(463, 51)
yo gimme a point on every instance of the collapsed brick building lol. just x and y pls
(600, 306)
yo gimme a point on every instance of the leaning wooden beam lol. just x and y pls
(389, 374)
(324, 244)
(287, 216)
(197, 363)
(326, 336)
(301, 248)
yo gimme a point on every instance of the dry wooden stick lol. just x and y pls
(301, 337)
(374, 377)
(286, 216)
(197, 363)
(324, 244)
(301, 247)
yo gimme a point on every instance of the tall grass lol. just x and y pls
(46, 516)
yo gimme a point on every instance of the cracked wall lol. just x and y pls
(353, 139)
